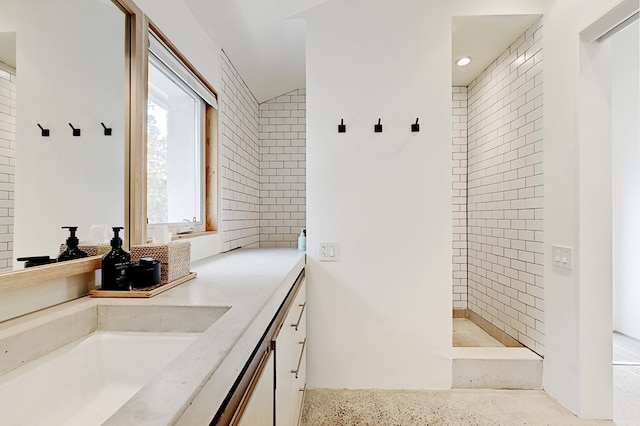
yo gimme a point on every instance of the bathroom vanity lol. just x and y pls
(204, 346)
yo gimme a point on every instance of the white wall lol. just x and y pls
(595, 211)
(177, 22)
(625, 109)
(577, 212)
(381, 316)
(63, 180)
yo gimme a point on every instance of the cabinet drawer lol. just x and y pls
(290, 365)
(258, 391)
(296, 317)
(300, 385)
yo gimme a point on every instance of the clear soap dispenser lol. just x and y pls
(72, 251)
(115, 265)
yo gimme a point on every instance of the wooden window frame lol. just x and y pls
(138, 151)
(135, 140)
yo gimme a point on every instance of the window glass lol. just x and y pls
(175, 150)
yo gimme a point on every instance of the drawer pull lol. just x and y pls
(297, 370)
(297, 324)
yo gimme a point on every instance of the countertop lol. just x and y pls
(252, 283)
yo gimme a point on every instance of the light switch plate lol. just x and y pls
(329, 252)
(562, 257)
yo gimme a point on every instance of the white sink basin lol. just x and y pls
(84, 382)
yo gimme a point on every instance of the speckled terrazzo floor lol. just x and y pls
(450, 408)
(626, 394)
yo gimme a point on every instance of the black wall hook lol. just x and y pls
(107, 130)
(415, 127)
(76, 132)
(377, 127)
(342, 128)
(45, 132)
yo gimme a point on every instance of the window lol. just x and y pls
(176, 135)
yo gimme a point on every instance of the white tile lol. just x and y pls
(504, 178)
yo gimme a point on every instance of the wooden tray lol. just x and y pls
(142, 292)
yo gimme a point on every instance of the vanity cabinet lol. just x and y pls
(271, 390)
(257, 406)
(289, 346)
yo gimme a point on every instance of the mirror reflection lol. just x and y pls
(68, 71)
(7, 144)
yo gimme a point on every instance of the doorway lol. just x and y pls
(625, 144)
(609, 102)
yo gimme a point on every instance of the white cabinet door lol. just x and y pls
(257, 409)
(290, 352)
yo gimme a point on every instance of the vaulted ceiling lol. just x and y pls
(265, 40)
(8, 48)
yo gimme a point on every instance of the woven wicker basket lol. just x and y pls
(175, 258)
(90, 249)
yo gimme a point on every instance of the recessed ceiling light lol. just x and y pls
(466, 60)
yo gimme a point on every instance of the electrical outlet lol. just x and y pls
(562, 257)
(329, 252)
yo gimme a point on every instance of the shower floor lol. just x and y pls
(467, 334)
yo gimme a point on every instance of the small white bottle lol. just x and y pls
(302, 239)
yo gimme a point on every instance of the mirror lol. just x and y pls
(7, 145)
(70, 71)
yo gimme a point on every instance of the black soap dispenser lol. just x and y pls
(72, 251)
(115, 265)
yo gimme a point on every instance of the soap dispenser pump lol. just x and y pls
(115, 265)
(72, 251)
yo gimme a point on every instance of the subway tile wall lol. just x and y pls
(239, 161)
(283, 169)
(459, 200)
(263, 165)
(505, 190)
(7, 163)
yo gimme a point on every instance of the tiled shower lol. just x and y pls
(263, 165)
(497, 235)
(283, 169)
